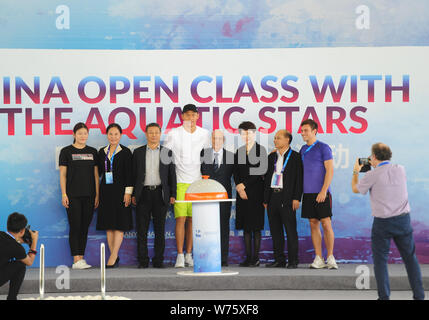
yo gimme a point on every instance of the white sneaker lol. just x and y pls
(86, 264)
(189, 262)
(331, 263)
(80, 265)
(318, 263)
(180, 261)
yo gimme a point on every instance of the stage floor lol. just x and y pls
(129, 279)
(234, 295)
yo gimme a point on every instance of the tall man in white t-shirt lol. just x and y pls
(186, 142)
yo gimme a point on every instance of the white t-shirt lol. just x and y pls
(186, 149)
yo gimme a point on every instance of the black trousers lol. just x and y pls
(281, 216)
(151, 204)
(14, 272)
(225, 216)
(79, 213)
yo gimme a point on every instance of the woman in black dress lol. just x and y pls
(114, 213)
(251, 162)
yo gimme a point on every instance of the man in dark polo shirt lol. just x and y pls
(13, 259)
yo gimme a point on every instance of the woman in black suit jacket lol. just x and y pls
(250, 168)
(114, 212)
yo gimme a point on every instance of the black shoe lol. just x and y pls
(292, 266)
(276, 264)
(224, 264)
(255, 263)
(158, 265)
(115, 265)
(245, 263)
(143, 265)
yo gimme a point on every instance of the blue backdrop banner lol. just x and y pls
(359, 70)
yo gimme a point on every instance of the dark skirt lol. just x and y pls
(250, 214)
(112, 213)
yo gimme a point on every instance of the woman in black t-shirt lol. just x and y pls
(79, 180)
(114, 214)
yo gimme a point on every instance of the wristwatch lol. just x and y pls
(355, 172)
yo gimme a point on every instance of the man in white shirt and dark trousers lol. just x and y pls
(282, 196)
(186, 142)
(387, 185)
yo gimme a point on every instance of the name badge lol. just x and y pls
(277, 181)
(109, 177)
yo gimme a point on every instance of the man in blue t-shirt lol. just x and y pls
(317, 201)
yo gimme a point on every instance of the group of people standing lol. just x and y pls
(154, 176)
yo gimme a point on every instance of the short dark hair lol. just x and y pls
(190, 107)
(311, 123)
(247, 125)
(113, 125)
(288, 135)
(381, 151)
(16, 222)
(153, 124)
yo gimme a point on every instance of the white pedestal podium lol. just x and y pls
(205, 196)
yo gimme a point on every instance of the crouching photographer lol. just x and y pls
(387, 186)
(13, 258)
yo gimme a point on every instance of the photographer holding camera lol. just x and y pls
(387, 185)
(13, 259)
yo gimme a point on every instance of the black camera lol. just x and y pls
(366, 164)
(26, 238)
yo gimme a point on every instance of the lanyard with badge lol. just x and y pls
(309, 149)
(11, 235)
(12, 259)
(109, 175)
(277, 181)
